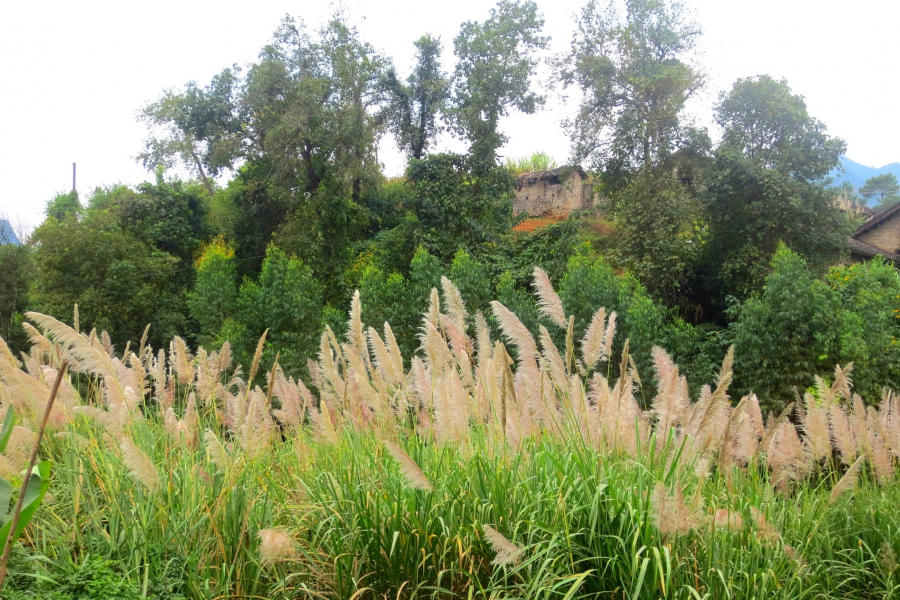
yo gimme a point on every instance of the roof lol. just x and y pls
(864, 249)
(553, 174)
(878, 219)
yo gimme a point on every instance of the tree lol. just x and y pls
(883, 188)
(495, 64)
(312, 153)
(763, 121)
(200, 127)
(17, 274)
(456, 204)
(635, 73)
(119, 283)
(213, 299)
(64, 206)
(286, 300)
(764, 188)
(659, 234)
(416, 105)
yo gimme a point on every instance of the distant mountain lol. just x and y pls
(7, 235)
(857, 173)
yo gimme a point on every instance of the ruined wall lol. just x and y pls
(552, 195)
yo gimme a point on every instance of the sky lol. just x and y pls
(75, 74)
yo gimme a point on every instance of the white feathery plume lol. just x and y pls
(355, 335)
(842, 434)
(728, 519)
(671, 514)
(434, 309)
(553, 359)
(848, 482)
(515, 332)
(140, 467)
(483, 339)
(815, 425)
(181, 360)
(548, 300)
(275, 545)
(411, 472)
(593, 348)
(879, 451)
(382, 359)
(507, 553)
(216, 451)
(456, 308)
(393, 349)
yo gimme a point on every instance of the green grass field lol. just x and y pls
(460, 473)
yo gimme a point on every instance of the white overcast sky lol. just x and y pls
(74, 74)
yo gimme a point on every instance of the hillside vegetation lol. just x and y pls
(682, 392)
(460, 472)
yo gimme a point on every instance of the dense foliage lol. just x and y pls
(289, 224)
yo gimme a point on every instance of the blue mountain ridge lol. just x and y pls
(7, 235)
(857, 173)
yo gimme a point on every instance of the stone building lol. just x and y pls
(879, 236)
(555, 192)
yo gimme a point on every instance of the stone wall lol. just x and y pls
(552, 193)
(885, 235)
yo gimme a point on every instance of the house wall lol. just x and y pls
(885, 236)
(545, 198)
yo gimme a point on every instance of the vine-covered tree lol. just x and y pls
(496, 62)
(635, 71)
(416, 104)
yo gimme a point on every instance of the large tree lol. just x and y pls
(883, 188)
(496, 61)
(765, 187)
(200, 128)
(635, 72)
(416, 104)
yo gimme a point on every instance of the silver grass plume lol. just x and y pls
(216, 451)
(848, 482)
(140, 467)
(842, 434)
(671, 514)
(254, 367)
(355, 335)
(548, 300)
(515, 332)
(275, 545)
(553, 359)
(507, 553)
(594, 347)
(382, 359)
(456, 308)
(483, 339)
(411, 472)
(396, 357)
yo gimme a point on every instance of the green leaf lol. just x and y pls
(7, 429)
(5, 494)
(37, 487)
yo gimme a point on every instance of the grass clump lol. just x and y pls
(458, 472)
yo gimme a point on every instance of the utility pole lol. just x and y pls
(73, 177)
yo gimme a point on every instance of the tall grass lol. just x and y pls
(459, 472)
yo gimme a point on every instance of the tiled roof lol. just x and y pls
(864, 249)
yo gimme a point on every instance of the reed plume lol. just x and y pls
(548, 300)
(671, 514)
(216, 451)
(411, 472)
(276, 545)
(507, 553)
(140, 466)
(847, 483)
